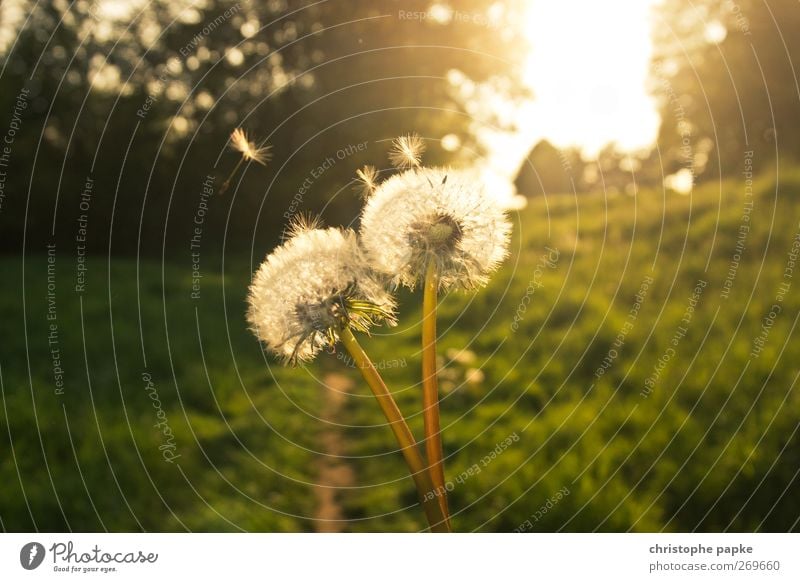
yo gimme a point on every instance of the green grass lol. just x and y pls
(713, 446)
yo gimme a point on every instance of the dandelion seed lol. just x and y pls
(250, 152)
(368, 180)
(241, 143)
(431, 214)
(310, 288)
(407, 151)
(301, 223)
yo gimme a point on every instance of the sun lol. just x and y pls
(588, 69)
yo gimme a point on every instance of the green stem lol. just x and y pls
(430, 385)
(408, 445)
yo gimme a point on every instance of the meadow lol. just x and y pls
(631, 367)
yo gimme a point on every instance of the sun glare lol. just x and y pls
(588, 68)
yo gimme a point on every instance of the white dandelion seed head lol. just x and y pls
(435, 214)
(310, 287)
(249, 150)
(407, 151)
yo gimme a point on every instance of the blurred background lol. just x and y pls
(632, 367)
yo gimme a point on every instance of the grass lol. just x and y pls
(711, 445)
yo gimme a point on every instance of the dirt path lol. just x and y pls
(333, 471)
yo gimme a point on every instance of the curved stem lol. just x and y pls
(430, 385)
(408, 445)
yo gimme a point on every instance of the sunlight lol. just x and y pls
(588, 69)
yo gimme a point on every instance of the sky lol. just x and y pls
(588, 76)
(587, 69)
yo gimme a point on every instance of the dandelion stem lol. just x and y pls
(430, 386)
(408, 445)
(226, 184)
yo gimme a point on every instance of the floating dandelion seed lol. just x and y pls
(368, 180)
(433, 214)
(312, 287)
(250, 152)
(241, 143)
(407, 151)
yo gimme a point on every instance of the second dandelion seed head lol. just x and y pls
(434, 215)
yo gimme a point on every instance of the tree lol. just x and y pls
(548, 170)
(724, 73)
(143, 103)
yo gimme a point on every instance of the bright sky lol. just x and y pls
(588, 70)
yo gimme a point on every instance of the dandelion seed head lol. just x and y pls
(407, 151)
(313, 285)
(249, 150)
(434, 214)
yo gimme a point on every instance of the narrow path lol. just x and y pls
(333, 472)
